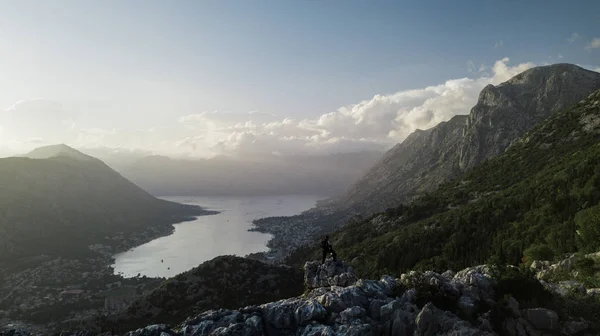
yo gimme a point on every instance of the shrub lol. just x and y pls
(585, 266)
(538, 252)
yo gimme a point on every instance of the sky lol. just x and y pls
(204, 78)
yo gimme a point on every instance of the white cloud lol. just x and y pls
(574, 37)
(376, 123)
(559, 56)
(593, 44)
(499, 44)
(474, 69)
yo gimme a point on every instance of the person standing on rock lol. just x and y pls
(327, 248)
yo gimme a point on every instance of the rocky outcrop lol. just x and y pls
(329, 274)
(546, 270)
(417, 303)
(503, 113)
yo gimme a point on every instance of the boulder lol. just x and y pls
(152, 330)
(331, 273)
(433, 321)
(351, 314)
(309, 310)
(594, 292)
(574, 327)
(542, 318)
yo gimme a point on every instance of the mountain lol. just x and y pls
(502, 114)
(251, 176)
(63, 201)
(540, 197)
(60, 150)
(223, 282)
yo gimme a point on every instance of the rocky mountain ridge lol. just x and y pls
(502, 114)
(475, 301)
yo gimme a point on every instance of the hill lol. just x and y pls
(223, 282)
(542, 194)
(502, 114)
(65, 201)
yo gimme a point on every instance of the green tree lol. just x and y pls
(538, 252)
(588, 229)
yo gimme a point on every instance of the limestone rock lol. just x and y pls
(331, 273)
(542, 318)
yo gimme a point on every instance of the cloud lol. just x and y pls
(474, 69)
(373, 124)
(574, 37)
(40, 119)
(377, 123)
(593, 44)
(499, 44)
(37, 105)
(559, 56)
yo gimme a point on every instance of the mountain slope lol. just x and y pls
(62, 204)
(502, 114)
(223, 282)
(542, 193)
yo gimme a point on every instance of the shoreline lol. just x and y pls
(292, 232)
(59, 291)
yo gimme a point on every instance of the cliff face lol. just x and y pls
(506, 112)
(502, 114)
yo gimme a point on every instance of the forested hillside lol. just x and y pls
(60, 205)
(540, 196)
(503, 113)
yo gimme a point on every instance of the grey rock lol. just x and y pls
(152, 330)
(331, 302)
(374, 310)
(433, 321)
(594, 292)
(280, 314)
(15, 332)
(540, 265)
(355, 330)
(513, 305)
(542, 318)
(565, 287)
(574, 327)
(351, 314)
(309, 311)
(331, 273)
(317, 330)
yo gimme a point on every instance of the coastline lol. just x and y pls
(292, 232)
(59, 291)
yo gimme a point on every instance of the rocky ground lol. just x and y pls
(472, 301)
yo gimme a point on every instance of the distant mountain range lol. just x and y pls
(323, 175)
(58, 201)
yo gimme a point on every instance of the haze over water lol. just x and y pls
(226, 233)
